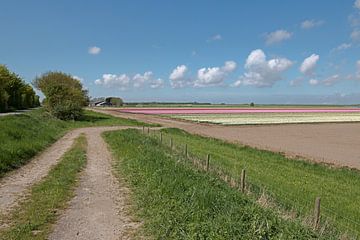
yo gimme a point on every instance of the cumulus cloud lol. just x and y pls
(216, 37)
(123, 81)
(331, 80)
(112, 80)
(343, 46)
(357, 4)
(308, 24)
(262, 72)
(78, 78)
(313, 81)
(214, 76)
(309, 64)
(94, 50)
(296, 82)
(277, 36)
(156, 83)
(178, 78)
(140, 80)
(355, 35)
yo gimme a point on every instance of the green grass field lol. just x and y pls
(176, 201)
(33, 218)
(292, 184)
(22, 136)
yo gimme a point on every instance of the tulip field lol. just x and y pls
(242, 116)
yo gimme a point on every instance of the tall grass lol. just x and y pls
(24, 135)
(293, 183)
(175, 201)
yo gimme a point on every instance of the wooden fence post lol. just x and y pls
(317, 212)
(160, 137)
(171, 143)
(186, 150)
(148, 131)
(143, 131)
(242, 181)
(208, 163)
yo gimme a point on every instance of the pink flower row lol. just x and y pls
(236, 110)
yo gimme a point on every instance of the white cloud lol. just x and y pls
(216, 37)
(343, 46)
(94, 50)
(178, 77)
(214, 76)
(307, 24)
(357, 4)
(296, 82)
(277, 36)
(156, 83)
(123, 81)
(112, 80)
(331, 80)
(313, 82)
(140, 80)
(78, 78)
(355, 35)
(263, 73)
(309, 64)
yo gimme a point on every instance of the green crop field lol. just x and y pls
(292, 184)
(176, 201)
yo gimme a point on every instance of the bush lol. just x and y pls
(64, 95)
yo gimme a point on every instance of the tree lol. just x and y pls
(114, 101)
(64, 95)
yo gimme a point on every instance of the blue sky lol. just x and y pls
(269, 51)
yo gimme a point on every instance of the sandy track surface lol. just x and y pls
(15, 185)
(98, 210)
(332, 143)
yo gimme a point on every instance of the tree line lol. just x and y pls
(15, 93)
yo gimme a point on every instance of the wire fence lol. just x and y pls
(320, 218)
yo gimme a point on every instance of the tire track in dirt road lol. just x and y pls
(98, 210)
(14, 186)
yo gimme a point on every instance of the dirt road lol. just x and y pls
(97, 211)
(99, 208)
(332, 143)
(15, 185)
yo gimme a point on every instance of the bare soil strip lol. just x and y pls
(98, 210)
(331, 143)
(15, 185)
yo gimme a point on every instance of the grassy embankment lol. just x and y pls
(24, 135)
(292, 184)
(35, 215)
(176, 201)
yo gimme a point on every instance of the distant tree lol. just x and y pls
(4, 96)
(114, 101)
(252, 104)
(14, 92)
(64, 95)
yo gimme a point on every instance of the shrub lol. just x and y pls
(64, 95)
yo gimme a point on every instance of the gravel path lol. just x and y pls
(99, 209)
(332, 143)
